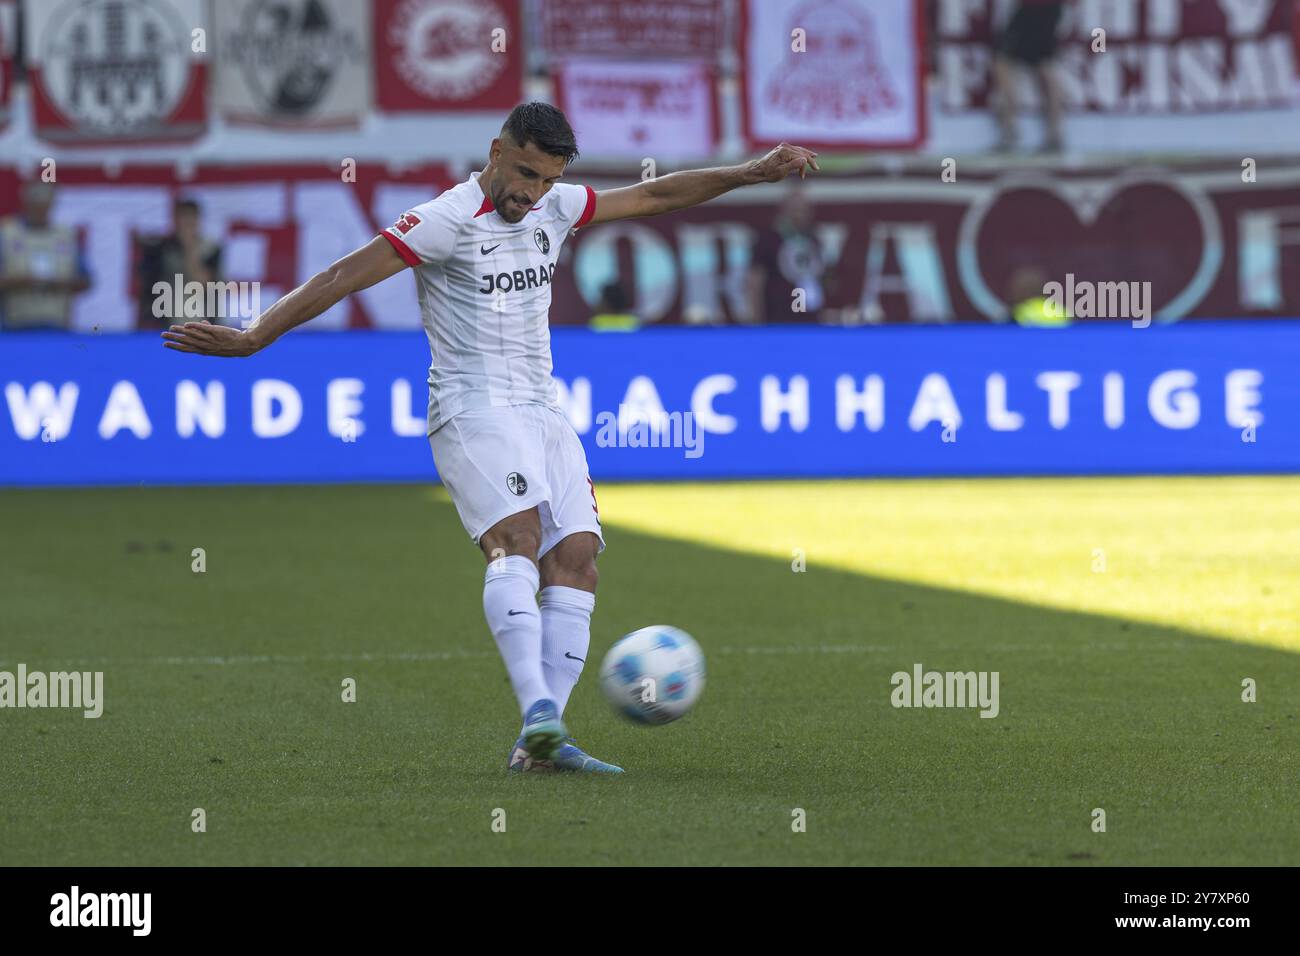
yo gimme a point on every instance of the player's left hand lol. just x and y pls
(208, 339)
(781, 162)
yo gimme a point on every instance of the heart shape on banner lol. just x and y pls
(1132, 228)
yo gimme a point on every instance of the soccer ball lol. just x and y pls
(653, 675)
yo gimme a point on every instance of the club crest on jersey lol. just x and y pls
(542, 239)
(516, 483)
(406, 222)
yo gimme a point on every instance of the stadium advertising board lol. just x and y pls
(675, 404)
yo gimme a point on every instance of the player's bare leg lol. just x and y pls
(510, 606)
(519, 534)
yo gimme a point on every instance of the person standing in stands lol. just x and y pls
(1029, 40)
(41, 268)
(184, 253)
(787, 269)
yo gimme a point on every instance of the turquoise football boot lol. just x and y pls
(569, 758)
(543, 732)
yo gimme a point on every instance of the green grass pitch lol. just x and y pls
(1122, 616)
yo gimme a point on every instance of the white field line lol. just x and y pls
(439, 656)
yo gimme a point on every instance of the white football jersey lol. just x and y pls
(485, 293)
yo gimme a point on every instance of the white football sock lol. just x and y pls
(566, 635)
(510, 606)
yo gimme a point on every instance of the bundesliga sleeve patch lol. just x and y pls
(406, 222)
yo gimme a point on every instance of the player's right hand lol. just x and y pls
(205, 338)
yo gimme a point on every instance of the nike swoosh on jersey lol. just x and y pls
(484, 250)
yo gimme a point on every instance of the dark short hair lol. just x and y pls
(186, 204)
(545, 127)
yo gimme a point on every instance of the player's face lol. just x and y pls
(521, 176)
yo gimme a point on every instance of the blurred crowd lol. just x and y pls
(43, 264)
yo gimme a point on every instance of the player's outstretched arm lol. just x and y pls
(373, 262)
(694, 186)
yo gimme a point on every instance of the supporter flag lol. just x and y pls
(295, 63)
(120, 71)
(448, 55)
(1193, 58)
(846, 74)
(645, 108)
(8, 47)
(632, 28)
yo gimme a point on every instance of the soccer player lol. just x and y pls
(484, 255)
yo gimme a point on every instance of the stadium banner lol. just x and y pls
(441, 55)
(905, 248)
(1203, 240)
(305, 63)
(675, 404)
(126, 71)
(1193, 56)
(8, 50)
(632, 28)
(872, 49)
(278, 224)
(640, 109)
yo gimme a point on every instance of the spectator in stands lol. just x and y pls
(1029, 40)
(613, 314)
(787, 267)
(41, 268)
(184, 253)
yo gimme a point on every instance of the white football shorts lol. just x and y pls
(504, 459)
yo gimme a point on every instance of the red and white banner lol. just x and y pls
(619, 28)
(301, 63)
(846, 74)
(123, 71)
(8, 50)
(908, 248)
(1191, 56)
(278, 225)
(911, 248)
(448, 55)
(630, 110)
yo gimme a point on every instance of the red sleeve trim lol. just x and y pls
(589, 211)
(403, 250)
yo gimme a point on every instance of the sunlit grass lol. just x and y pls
(1219, 555)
